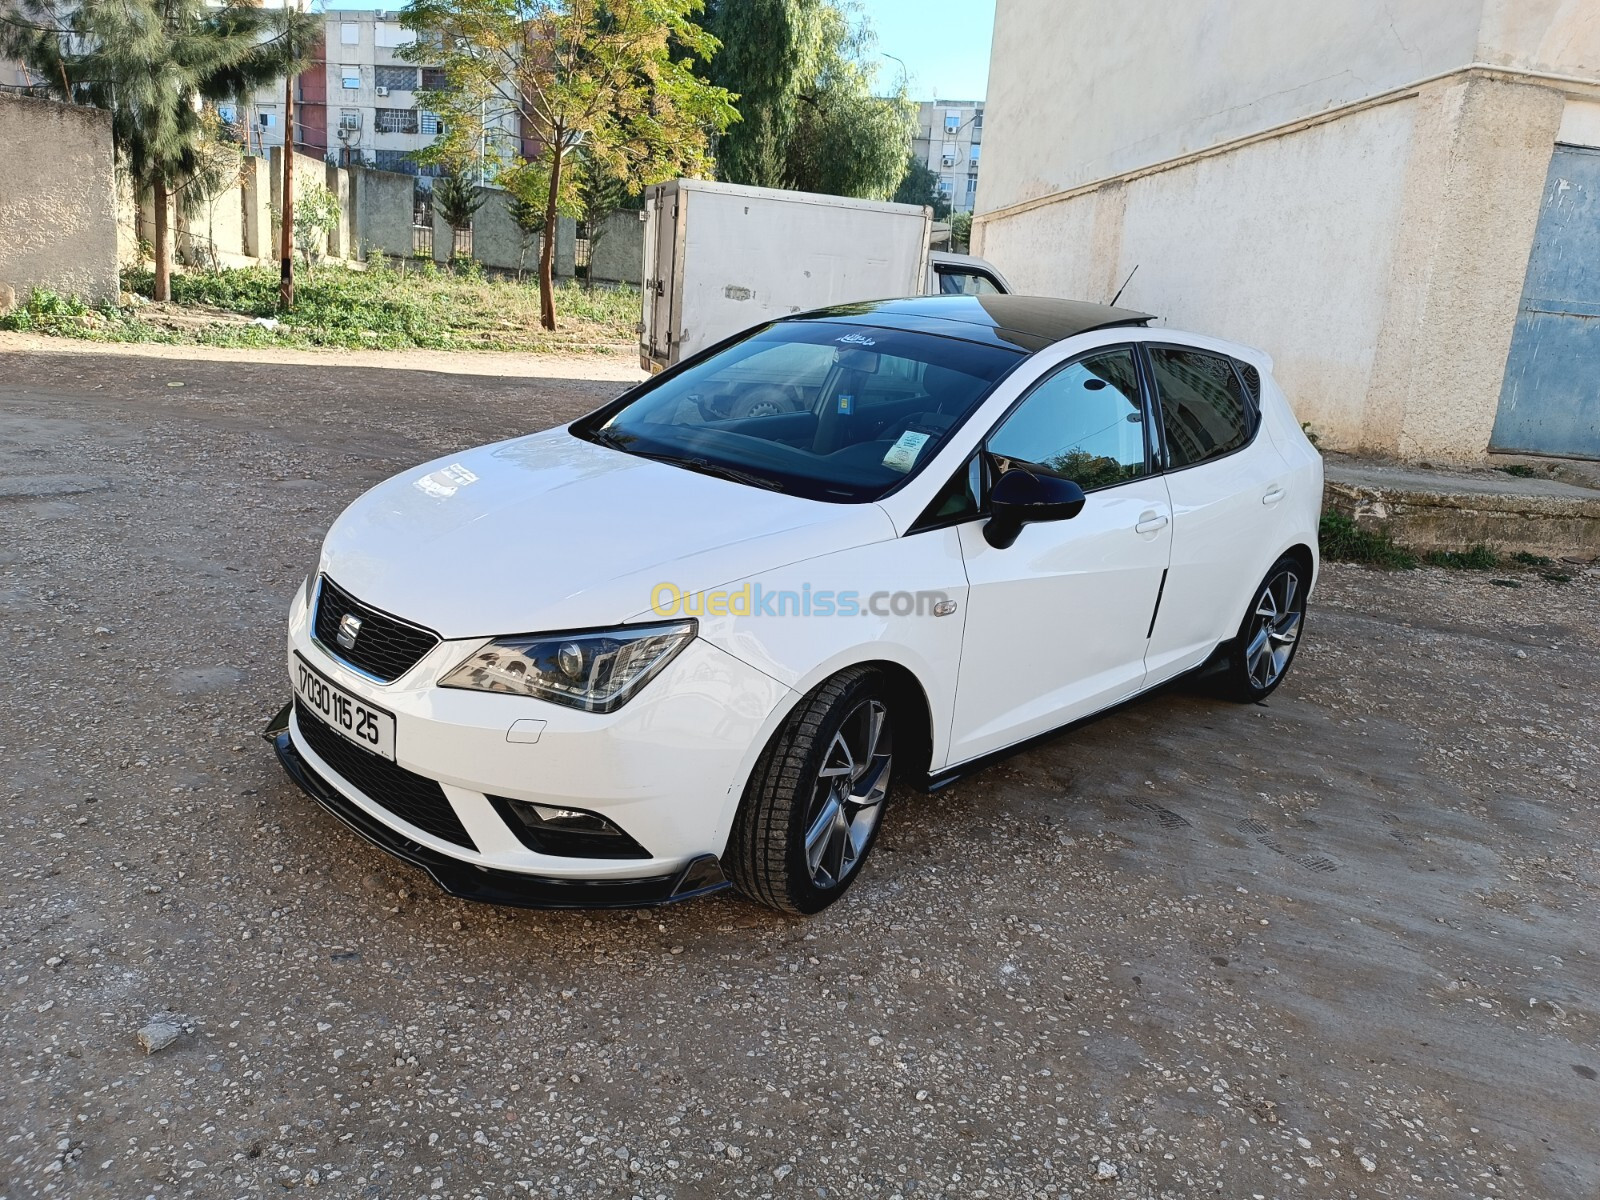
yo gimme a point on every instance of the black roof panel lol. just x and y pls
(1029, 322)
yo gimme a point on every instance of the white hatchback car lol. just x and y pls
(662, 649)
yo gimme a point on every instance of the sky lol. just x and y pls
(944, 44)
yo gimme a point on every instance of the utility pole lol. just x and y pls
(286, 233)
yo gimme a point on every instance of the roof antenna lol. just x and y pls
(1125, 284)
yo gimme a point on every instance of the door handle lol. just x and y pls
(1274, 494)
(1150, 522)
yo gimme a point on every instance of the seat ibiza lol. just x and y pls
(689, 641)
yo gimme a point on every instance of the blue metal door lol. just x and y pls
(1550, 399)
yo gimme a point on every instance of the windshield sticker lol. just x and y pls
(902, 455)
(847, 405)
(857, 339)
(445, 482)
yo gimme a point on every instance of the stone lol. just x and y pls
(158, 1035)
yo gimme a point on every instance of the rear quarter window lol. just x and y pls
(1206, 411)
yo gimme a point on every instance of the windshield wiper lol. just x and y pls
(624, 443)
(721, 472)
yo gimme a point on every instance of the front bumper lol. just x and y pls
(700, 877)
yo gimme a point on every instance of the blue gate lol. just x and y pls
(1550, 399)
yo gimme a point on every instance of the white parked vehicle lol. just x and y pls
(680, 643)
(720, 258)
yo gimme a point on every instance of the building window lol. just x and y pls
(349, 34)
(350, 78)
(946, 187)
(396, 79)
(949, 154)
(266, 117)
(430, 123)
(974, 152)
(972, 188)
(433, 79)
(386, 33)
(394, 120)
(952, 120)
(350, 118)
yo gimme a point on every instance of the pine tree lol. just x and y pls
(150, 62)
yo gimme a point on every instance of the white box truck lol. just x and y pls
(720, 258)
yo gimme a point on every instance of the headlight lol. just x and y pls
(599, 671)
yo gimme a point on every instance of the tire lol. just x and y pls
(1269, 636)
(766, 400)
(811, 811)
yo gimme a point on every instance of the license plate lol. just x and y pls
(368, 727)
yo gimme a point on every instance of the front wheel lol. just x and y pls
(814, 803)
(1269, 635)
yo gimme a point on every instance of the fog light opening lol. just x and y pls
(565, 832)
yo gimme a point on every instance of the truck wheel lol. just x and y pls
(813, 806)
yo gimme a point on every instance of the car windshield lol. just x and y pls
(827, 410)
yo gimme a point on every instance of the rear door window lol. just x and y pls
(1205, 410)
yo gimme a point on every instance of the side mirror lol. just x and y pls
(1022, 498)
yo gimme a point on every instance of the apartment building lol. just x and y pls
(948, 140)
(361, 103)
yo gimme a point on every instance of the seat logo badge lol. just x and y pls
(944, 608)
(349, 630)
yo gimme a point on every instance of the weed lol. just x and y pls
(1312, 435)
(1519, 471)
(1342, 540)
(1523, 558)
(1478, 558)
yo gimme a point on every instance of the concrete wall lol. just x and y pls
(58, 199)
(617, 256)
(383, 207)
(1366, 225)
(309, 174)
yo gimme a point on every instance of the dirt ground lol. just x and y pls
(1342, 944)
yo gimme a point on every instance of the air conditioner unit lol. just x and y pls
(383, 91)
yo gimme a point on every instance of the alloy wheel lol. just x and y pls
(848, 797)
(1274, 629)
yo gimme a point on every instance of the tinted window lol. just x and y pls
(1084, 423)
(1205, 411)
(1252, 382)
(824, 410)
(965, 283)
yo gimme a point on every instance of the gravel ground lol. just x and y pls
(1338, 945)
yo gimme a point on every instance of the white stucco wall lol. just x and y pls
(1277, 245)
(1081, 91)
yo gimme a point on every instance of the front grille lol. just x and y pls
(386, 648)
(413, 798)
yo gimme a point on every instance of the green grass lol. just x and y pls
(382, 308)
(1342, 540)
(1519, 471)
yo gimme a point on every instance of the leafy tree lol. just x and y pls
(806, 72)
(600, 194)
(960, 232)
(152, 63)
(457, 198)
(610, 75)
(848, 141)
(920, 185)
(770, 54)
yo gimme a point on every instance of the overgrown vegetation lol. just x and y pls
(1342, 540)
(1478, 558)
(382, 308)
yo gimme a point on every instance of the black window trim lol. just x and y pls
(1153, 458)
(962, 269)
(1154, 400)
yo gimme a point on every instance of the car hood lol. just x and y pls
(551, 532)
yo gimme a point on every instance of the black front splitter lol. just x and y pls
(700, 877)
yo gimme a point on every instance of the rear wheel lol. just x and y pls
(814, 803)
(1269, 635)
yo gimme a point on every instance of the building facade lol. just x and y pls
(361, 103)
(1401, 203)
(949, 140)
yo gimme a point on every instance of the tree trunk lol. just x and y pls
(286, 234)
(160, 206)
(547, 252)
